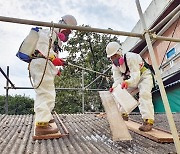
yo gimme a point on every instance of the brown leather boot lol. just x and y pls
(147, 125)
(45, 129)
(125, 116)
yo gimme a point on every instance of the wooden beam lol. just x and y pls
(123, 98)
(117, 125)
(63, 132)
(48, 136)
(156, 134)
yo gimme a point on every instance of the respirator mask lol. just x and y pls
(63, 35)
(118, 61)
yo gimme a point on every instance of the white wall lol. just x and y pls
(155, 9)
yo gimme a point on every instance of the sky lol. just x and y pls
(116, 14)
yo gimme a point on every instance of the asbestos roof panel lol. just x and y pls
(167, 86)
(88, 134)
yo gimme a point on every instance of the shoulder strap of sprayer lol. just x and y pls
(148, 66)
(145, 64)
(151, 69)
(125, 62)
(125, 74)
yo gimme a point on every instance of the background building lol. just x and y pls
(167, 53)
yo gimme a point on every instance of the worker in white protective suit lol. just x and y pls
(135, 76)
(45, 93)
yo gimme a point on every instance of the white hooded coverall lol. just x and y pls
(143, 81)
(45, 93)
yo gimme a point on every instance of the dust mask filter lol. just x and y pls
(121, 60)
(63, 35)
(116, 62)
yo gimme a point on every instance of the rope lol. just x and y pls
(49, 47)
(102, 74)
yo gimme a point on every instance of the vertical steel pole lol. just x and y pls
(160, 82)
(82, 91)
(7, 91)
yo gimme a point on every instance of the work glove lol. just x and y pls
(111, 90)
(124, 84)
(59, 62)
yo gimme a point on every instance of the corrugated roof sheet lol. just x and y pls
(88, 134)
(167, 86)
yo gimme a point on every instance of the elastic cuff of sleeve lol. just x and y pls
(42, 123)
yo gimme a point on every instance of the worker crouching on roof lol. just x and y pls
(45, 93)
(136, 75)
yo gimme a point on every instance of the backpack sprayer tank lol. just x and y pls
(27, 47)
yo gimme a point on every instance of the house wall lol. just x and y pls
(161, 47)
(151, 14)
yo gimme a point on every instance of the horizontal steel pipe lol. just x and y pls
(57, 89)
(157, 37)
(80, 28)
(18, 88)
(166, 19)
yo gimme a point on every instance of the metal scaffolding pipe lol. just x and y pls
(7, 78)
(173, 73)
(83, 96)
(80, 28)
(160, 82)
(166, 19)
(97, 77)
(154, 36)
(80, 89)
(57, 89)
(7, 91)
(18, 88)
(173, 19)
(96, 89)
(33, 88)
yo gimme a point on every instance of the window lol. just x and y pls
(170, 53)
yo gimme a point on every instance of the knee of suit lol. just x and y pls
(145, 94)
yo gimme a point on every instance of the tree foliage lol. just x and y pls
(17, 104)
(85, 49)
